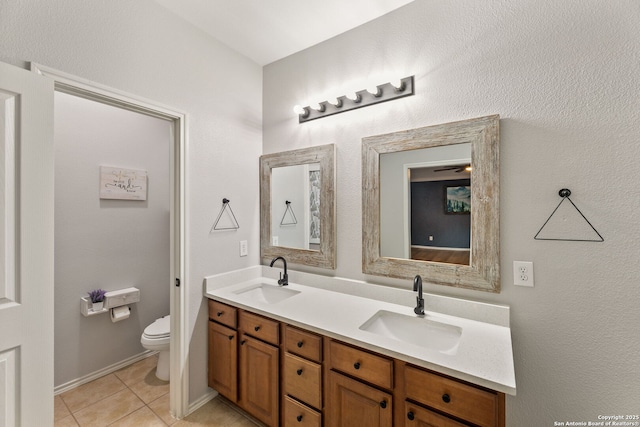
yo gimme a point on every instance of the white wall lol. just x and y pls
(108, 244)
(141, 48)
(564, 77)
(289, 184)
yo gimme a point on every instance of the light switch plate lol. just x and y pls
(523, 273)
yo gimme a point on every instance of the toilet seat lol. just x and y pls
(158, 329)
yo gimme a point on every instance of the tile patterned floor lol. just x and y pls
(134, 397)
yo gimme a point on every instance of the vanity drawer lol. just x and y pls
(223, 313)
(303, 343)
(298, 415)
(415, 416)
(302, 380)
(374, 369)
(461, 400)
(259, 327)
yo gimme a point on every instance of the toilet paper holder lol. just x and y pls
(112, 299)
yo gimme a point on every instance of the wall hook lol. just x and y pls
(225, 205)
(565, 193)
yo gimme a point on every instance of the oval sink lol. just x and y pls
(268, 294)
(415, 330)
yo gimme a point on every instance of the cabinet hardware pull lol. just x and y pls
(446, 398)
(356, 365)
(230, 337)
(257, 328)
(299, 372)
(299, 418)
(383, 404)
(242, 342)
(219, 313)
(410, 415)
(300, 343)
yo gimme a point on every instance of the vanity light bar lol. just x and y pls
(363, 98)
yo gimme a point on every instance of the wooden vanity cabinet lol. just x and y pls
(223, 360)
(417, 416)
(244, 360)
(461, 403)
(325, 382)
(302, 378)
(223, 350)
(258, 374)
(359, 387)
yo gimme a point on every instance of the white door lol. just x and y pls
(26, 248)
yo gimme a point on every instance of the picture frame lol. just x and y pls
(457, 199)
(123, 184)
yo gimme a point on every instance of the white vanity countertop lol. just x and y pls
(484, 355)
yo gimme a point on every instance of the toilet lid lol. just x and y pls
(159, 328)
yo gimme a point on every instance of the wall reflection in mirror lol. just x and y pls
(295, 201)
(425, 204)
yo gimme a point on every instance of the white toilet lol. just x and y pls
(156, 337)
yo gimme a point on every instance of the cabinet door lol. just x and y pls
(352, 403)
(259, 378)
(223, 360)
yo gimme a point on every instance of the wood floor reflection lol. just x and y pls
(441, 255)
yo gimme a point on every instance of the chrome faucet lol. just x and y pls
(417, 287)
(284, 279)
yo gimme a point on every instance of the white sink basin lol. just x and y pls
(415, 330)
(268, 294)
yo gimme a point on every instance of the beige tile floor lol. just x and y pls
(134, 397)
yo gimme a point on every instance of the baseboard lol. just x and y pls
(102, 372)
(443, 248)
(194, 406)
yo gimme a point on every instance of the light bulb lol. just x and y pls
(398, 84)
(301, 111)
(318, 106)
(355, 97)
(335, 102)
(374, 90)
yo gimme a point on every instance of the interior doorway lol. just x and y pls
(175, 121)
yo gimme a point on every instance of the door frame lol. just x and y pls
(73, 85)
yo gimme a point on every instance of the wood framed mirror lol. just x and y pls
(445, 147)
(297, 206)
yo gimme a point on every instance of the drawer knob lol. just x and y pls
(220, 313)
(230, 337)
(300, 343)
(356, 365)
(299, 418)
(446, 398)
(411, 416)
(383, 404)
(299, 371)
(257, 328)
(242, 342)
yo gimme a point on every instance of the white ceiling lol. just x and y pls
(268, 30)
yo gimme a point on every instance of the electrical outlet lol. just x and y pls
(274, 241)
(523, 273)
(431, 238)
(243, 248)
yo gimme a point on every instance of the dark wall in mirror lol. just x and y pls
(482, 271)
(400, 172)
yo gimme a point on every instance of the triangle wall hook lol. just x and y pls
(232, 218)
(564, 232)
